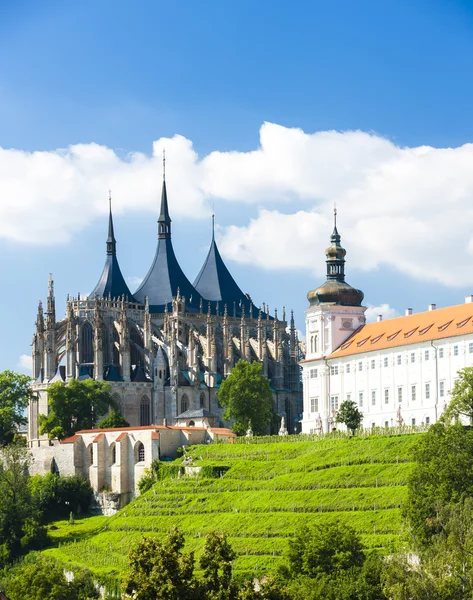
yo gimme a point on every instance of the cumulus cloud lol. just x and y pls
(387, 312)
(405, 208)
(24, 364)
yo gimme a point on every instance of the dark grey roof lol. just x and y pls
(195, 414)
(165, 277)
(60, 374)
(111, 282)
(138, 375)
(214, 282)
(111, 374)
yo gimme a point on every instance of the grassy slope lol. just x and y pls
(268, 493)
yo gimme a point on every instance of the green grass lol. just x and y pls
(268, 492)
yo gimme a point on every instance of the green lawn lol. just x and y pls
(268, 492)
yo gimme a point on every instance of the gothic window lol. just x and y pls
(289, 416)
(107, 356)
(112, 454)
(115, 352)
(139, 452)
(136, 355)
(191, 424)
(87, 344)
(145, 412)
(184, 403)
(202, 400)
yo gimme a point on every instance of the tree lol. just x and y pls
(216, 562)
(461, 403)
(328, 550)
(20, 520)
(158, 570)
(113, 420)
(247, 397)
(56, 496)
(349, 414)
(15, 392)
(443, 473)
(40, 578)
(75, 406)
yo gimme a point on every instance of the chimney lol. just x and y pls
(408, 312)
(468, 299)
(380, 318)
(432, 306)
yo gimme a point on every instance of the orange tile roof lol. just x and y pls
(98, 437)
(154, 435)
(121, 437)
(427, 326)
(70, 440)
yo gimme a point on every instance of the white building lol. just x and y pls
(398, 371)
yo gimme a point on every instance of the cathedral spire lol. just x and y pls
(164, 220)
(111, 242)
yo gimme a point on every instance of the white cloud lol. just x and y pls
(388, 312)
(406, 208)
(24, 364)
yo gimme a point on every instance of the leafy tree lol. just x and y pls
(158, 570)
(331, 549)
(443, 473)
(20, 526)
(56, 496)
(350, 415)
(461, 403)
(216, 562)
(114, 419)
(442, 570)
(74, 406)
(40, 578)
(15, 392)
(247, 397)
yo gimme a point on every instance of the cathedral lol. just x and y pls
(165, 348)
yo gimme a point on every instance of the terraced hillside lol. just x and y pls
(267, 492)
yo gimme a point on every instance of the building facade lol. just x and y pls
(398, 371)
(165, 348)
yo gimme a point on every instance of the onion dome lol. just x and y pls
(335, 290)
(111, 282)
(165, 278)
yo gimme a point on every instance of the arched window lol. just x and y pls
(112, 454)
(107, 347)
(289, 416)
(116, 343)
(184, 403)
(87, 344)
(90, 455)
(145, 411)
(139, 452)
(315, 343)
(202, 400)
(191, 424)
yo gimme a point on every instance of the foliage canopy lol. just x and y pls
(15, 392)
(75, 406)
(247, 397)
(350, 415)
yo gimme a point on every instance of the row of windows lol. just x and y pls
(314, 402)
(398, 360)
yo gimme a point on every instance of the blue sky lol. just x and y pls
(126, 74)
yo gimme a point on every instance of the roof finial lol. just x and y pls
(335, 215)
(110, 199)
(213, 221)
(164, 164)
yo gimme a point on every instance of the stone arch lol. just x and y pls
(191, 424)
(140, 454)
(145, 411)
(184, 403)
(89, 455)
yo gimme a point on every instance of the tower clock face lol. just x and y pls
(346, 324)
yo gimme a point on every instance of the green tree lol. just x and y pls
(56, 496)
(461, 403)
(216, 562)
(443, 473)
(114, 419)
(20, 520)
(350, 415)
(40, 578)
(75, 406)
(247, 397)
(15, 392)
(159, 570)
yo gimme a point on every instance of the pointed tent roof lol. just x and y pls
(214, 282)
(165, 276)
(111, 281)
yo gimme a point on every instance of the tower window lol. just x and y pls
(440, 352)
(145, 416)
(455, 350)
(427, 390)
(314, 405)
